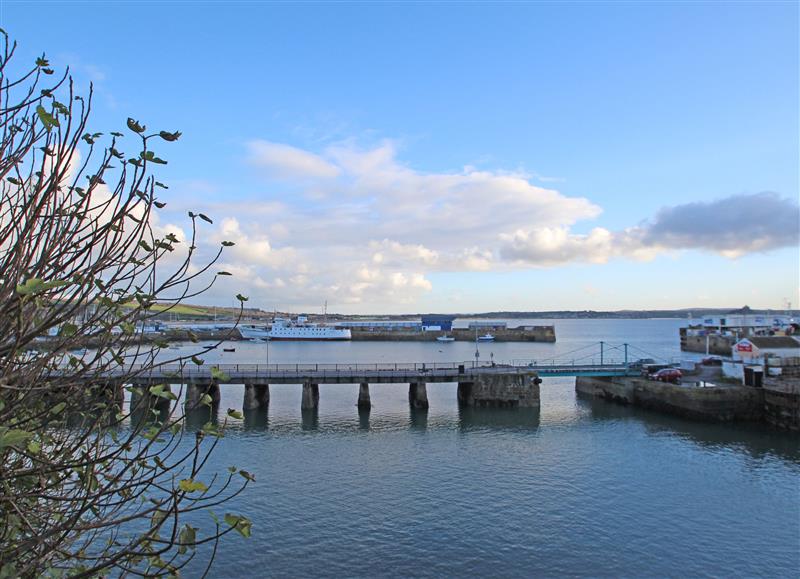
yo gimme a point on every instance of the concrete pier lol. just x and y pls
(256, 396)
(310, 399)
(363, 396)
(418, 395)
(500, 391)
(196, 390)
(718, 403)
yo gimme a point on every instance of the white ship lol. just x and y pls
(299, 329)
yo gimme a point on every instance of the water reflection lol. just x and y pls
(757, 440)
(309, 419)
(199, 416)
(418, 418)
(256, 419)
(471, 418)
(363, 418)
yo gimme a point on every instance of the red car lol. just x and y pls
(667, 375)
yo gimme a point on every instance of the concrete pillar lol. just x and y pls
(418, 395)
(256, 396)
(195, 392)
(464, 393)
(363, 396)
(500, 391)
(310, 396)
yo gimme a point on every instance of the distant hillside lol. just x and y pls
(200, 312)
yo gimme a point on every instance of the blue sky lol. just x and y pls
(462, 157)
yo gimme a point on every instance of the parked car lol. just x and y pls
(667, 375)
(711, 361)
(641, 363)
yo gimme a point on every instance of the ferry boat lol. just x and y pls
(299, 329)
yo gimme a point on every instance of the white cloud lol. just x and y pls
(285, 161)
(363, 228)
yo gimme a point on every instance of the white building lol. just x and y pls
(753, 350)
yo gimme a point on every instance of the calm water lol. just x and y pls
(581, 488)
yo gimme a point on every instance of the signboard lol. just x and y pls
(744, 347)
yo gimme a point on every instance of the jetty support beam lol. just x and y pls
(256, 396)
(195, 392)
(418, 395)
(500, 391)
(364, 402)
(310, 399)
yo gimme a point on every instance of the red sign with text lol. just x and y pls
(744, 347)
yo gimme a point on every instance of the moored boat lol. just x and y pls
(445, 339)
(298, 329)
(486, 338)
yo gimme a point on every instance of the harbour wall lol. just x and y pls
(718, 345)
(528, 334)
(726, 403)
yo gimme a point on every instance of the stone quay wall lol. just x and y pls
(718, 403)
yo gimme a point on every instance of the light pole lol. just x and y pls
(477, 353)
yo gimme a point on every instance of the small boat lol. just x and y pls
(228, 349)
(486, 338)
(445, 339)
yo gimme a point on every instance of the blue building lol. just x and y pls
(444, 322)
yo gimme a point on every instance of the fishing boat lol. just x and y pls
(486, 338)
(445, 339)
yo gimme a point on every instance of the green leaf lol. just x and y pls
(206, 400)
(162, 391)
(58, 408)
(235, 414)
(219, 375)
(224, 273)
(13, 437)
(198, 361)
(170, 136)
(205, 218)
(48, 120)
(190, 485)
(247, 475)
(135, 126)
(67, 330)
(160, 184)
(34, 447)
(187, 538)
(35, 285)
(159, 204)
(151, 157)
(228, 244)
(144, 245)
(241, 524)
(241, 298)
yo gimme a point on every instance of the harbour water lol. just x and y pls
(579, 488)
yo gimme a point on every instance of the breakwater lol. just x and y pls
(522, 334)
(719, 403)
